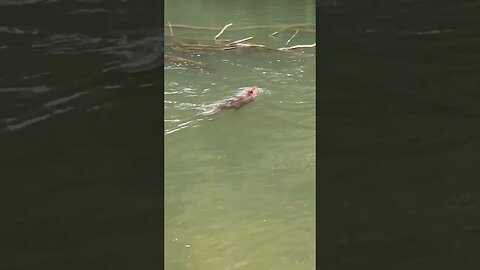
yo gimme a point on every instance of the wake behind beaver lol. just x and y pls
(244, 98)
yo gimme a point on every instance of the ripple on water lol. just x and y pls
(24, 2)
(87, 11)
(31, 121)
(33, 89)
(17, 31)
(36, 92)
(64, 99)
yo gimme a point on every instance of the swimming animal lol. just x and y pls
(241, 100)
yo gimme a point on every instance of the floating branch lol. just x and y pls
(288, 41)
(273, 34)
(238, 41)
(246, 45)
(208, 46)
(250, 45)
(171, 30)
(223, 29)
(298, 47)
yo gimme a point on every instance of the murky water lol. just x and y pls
(80, 142)
(240, 186)
(398, 134)
(81, 137)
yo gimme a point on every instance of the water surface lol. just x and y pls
(240, 186)
(80, 147)
(398, 134)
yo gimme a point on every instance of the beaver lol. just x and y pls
(243, 99)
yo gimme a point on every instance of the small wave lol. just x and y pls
(432, 32)
(24, 2)
(36, 75)
(173, 130)
(27, 122)
(87, 11)
(60, 111)
(68, 43)
(34, 89)
(17, 31)
(181, 125)
(115, 86)
(146, 85)
(64, 99)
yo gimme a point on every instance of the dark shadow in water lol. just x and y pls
(81, 183)
(398, 135)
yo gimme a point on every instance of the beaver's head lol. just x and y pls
(251, 93)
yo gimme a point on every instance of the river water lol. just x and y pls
(80, 148)
(83, 127)
(398, 135)
(240, 186)
(82, 131)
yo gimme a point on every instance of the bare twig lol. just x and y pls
(288, 41)
(171, 30)
(298, 47)
(250, 45)
(247, 45)
(238, 41)
(223, 29)
(273, 34)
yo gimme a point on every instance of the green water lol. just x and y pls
(240, 186)
(398, 134)
(80, 149)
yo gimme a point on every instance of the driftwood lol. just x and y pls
(171, 30)
(274, 34)
(239, 41)
(246, 45)
(288, 41)
(221, 31)
(196, 45)
(298, 47)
